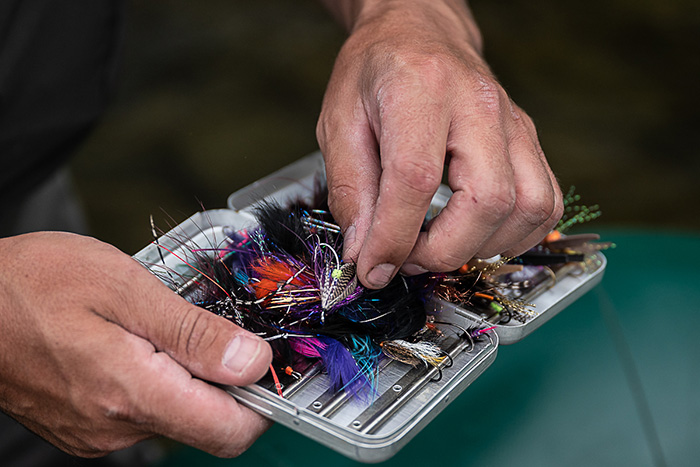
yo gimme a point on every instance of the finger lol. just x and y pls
(481, 178)
(171, 403)
(536, 236)
(352, 173)
(534, 193)
(201, 415)
(412, 146)
(142, 391)
(209, 346)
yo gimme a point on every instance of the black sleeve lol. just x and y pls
(58, 61)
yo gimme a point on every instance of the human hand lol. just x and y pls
(410, 94)
(97, 353)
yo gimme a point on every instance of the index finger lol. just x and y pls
(412, 151)
(194, 412)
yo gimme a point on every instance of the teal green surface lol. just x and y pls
(561, 396)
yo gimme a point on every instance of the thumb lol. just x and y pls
(209, 346)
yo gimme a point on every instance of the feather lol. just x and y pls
(341, 367)
(308, 346)
(337, 284)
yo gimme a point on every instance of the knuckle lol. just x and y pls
(557, 214)
(495, 203)
(520, 138)
(437, 256)
(420, 174)
(535, 207)
(337, 192)
(527, 121)
(431, 70)
(447, 263)
(415, 73)
(338, 196)
(118, 410)
(322, 131)
(550, 223)
(421, 67)
(490, 95)
(118, 406)
(558, 210)
(194, 333)
(396, 247)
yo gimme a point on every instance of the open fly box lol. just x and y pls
(406, 397)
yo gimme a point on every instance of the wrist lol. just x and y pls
(440, 18)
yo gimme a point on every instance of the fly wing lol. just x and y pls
(337, 284)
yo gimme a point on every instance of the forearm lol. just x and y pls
(452, 16)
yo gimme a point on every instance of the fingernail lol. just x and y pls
(413, 269)
(380, 275)
(241, 352)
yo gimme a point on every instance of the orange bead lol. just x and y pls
(552, 236)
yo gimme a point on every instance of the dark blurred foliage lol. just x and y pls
(216, 94)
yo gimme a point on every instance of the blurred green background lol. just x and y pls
(215, 94)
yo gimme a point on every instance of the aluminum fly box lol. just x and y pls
(406, 397)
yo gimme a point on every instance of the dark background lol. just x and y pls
(216, 94)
